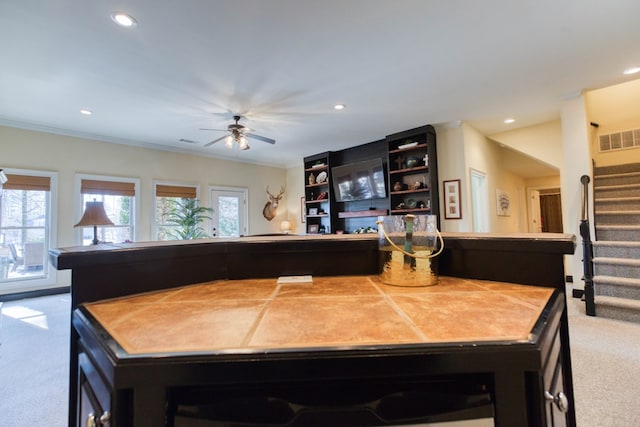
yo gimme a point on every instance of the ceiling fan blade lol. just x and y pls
(261, 138)
(221, 130)
(215, 140)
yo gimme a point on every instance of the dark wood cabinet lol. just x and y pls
(94, 396)
(527, 382)
(413, 172)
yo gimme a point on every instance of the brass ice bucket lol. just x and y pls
(407, 245)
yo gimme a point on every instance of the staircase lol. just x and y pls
(616, 248)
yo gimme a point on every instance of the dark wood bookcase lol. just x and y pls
(413, 172)
(319, 201)
(410, 161)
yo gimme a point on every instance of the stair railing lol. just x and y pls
(587, 249)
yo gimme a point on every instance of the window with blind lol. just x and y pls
(118, 196)
(25, 216)
(168, 197)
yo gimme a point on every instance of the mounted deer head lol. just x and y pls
(271, 208)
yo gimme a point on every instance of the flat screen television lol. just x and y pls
(359, 181)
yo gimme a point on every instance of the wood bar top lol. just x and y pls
(341, 311)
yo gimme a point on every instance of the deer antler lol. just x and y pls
(279, 194)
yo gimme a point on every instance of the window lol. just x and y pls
(119, 198)
(25, 227)
(168, 197)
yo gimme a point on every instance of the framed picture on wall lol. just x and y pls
(452, 207)
(312, 229)
(503, 203)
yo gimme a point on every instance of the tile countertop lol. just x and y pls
(240, 315)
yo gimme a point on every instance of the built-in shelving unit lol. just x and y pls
(413, 172)
(317, 194)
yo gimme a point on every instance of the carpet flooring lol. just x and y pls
(34, 355)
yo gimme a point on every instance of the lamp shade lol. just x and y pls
(285, 226)
(94, 214)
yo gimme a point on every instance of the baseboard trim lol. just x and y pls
(577, 293)
(34, 294)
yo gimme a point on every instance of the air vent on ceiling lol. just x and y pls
(620, 140)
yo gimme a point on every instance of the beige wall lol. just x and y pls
(69, 156)
(451, 166)
(295, 186)
(462, 148)
(614, 109)
(485, 155)
(542, 142)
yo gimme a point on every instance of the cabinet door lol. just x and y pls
(557, 402)
(94, 402)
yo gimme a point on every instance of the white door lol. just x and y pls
(230, 214)
(535, 226)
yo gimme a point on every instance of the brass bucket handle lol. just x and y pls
(379, 223)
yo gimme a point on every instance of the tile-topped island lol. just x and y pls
(487, 342)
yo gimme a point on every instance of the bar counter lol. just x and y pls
(261, 315)
(161, 331)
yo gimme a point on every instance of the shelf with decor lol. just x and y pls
(416, 169)
(363, 214)
(413, 171)
(419, 190)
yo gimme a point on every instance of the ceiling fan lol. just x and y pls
(238, 133)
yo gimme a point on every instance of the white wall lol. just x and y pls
(68, 156)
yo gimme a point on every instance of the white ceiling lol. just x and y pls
(283, 64)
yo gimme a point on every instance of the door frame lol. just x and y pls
(479, 202)
(530, 194)
(244, 210)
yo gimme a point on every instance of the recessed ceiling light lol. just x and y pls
(124, 20)
(509, 120)
(86, 112)
(339, 106)
(632, 70)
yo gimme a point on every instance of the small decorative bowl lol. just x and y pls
(412, 162)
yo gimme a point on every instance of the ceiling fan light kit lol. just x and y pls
(238, 133)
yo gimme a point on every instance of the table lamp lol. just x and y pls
(285, 227)
(94, 215)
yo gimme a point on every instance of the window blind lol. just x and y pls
(90, 186)
(175, 191)
(27, 182)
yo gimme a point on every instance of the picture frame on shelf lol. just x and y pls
(303, 210)
(312, 229)
(313, 211)
(452, 205)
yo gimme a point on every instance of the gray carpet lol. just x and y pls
(34, 353)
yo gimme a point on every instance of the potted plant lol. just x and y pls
(186, 215)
